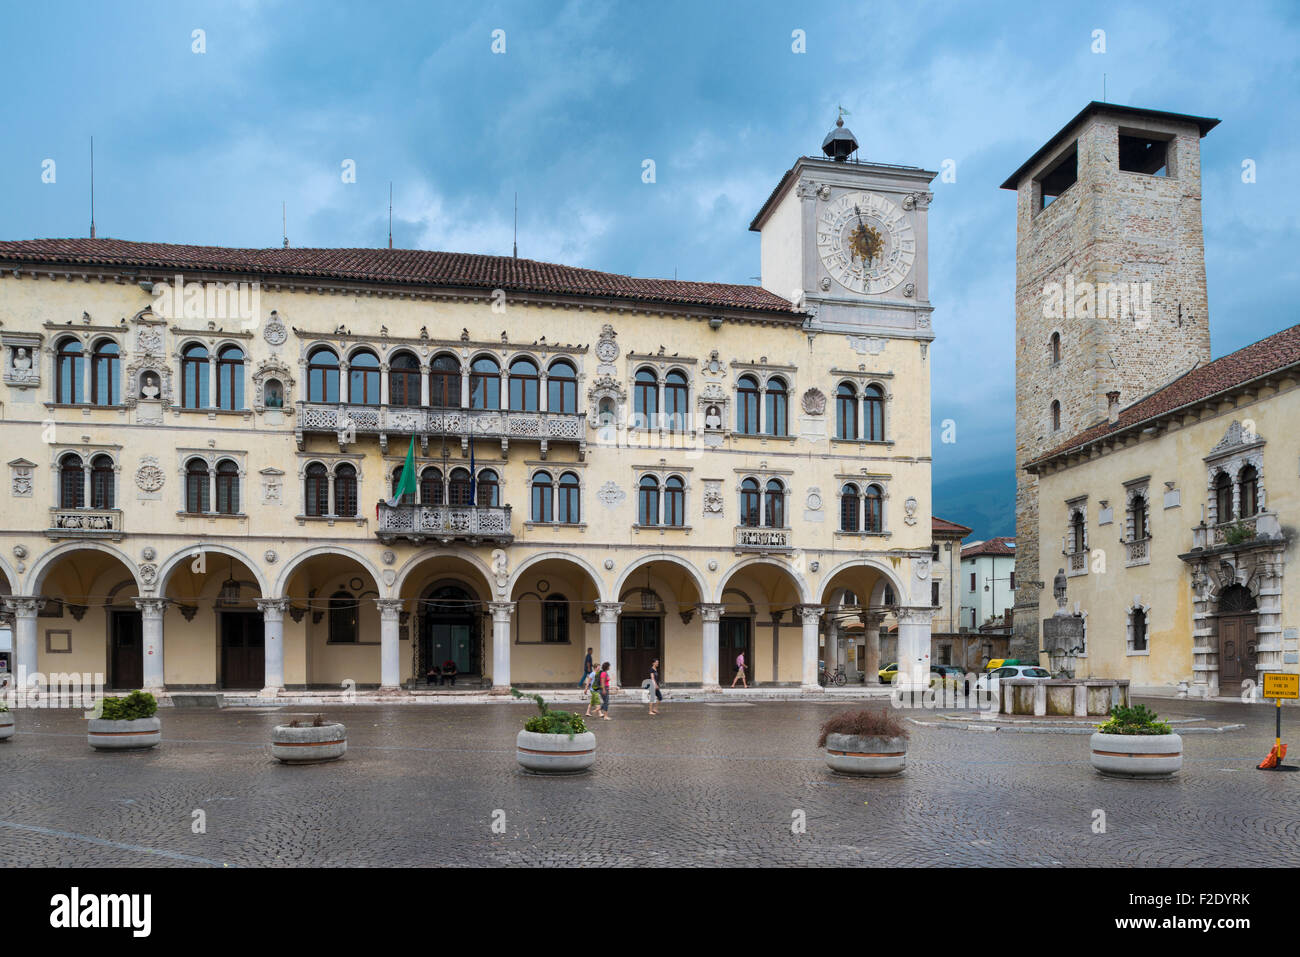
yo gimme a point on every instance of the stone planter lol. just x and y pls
(874, 757)
(310, 744)
(105, 735)
(1137, 755)
(555, 753)
(6, 725)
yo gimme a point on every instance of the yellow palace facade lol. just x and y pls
(202, 446)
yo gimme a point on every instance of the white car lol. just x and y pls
(991, 682)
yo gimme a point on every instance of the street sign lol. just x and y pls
(1281, 686)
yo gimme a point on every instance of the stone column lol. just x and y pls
(424, 385)
(343, 382)
(501, 612)
(212, 380)
(710, 615)
(871, 622)
(914, 644)
(608, 611)
(811, 615)
(24, 610)
(383, 383)
(390, 667)
(273, 610)
(151, 630)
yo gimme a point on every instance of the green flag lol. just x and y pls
(406, 484)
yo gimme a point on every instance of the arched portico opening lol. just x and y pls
(447, 617)
(659, 614)
(861, 600)
(333, 635)
(764, 603)
(212, 619)
(555, 620)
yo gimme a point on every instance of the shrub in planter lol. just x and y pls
(309, 739)
(553, 742)
(125, 724)
(6, 722)
(872, 743)
(1135, 743)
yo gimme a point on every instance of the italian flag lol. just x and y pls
(406, 484)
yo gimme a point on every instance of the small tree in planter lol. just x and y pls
(6, 721)
(1135, 743)
(125, 724)
(872, 743)
(553, 742)
(308, 739)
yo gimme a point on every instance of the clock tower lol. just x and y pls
(847, 239)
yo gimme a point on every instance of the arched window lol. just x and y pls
(431, 486)
(750, 503)
(489, 489)
(1138, 514)
(873, 510)
(555, 619)
(69, 388)
(404, 380)
(72, 482)
(747, 398)
(846, 412)
(408, 498)
(345, 623)
(461, 488)
(543, 498)
(485, 384)
(1077, 533)
(105, 373)
(230, 378)
(317, 490)
(194, 376)
(322, 376)
(648, 501)
(850, 508)
(1223, 497)
(1055, 347)
(676, 394)
(363, 379)
(674, 501)
(777, 409)
(523, 386)
(873, 413)
(345, 490)
(227, 487)
(444, 382)
(569, 500)
(197, 487)
(774, 512)
(1056, 416)
(561, 387)
(101, 482)
(1248, 482)
(645, 400)
(1139, 629)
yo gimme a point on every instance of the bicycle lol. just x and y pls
(837, 677)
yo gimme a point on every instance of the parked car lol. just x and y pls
(949, 676)
(991, 682)
(888, 673)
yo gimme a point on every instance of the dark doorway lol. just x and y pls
(126, 650)
(243, 650)
(1236, 651)
(450, 630)
(640, 643)
(735, 636)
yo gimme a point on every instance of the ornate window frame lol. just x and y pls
(1137, 541)
(1137, 606)
(1077, 560)
(1238, 448)
(273, 368)
(211, 457)
(331, 461)
(859, 381)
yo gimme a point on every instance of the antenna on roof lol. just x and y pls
(516, 250)
(390, 214)
(92, 187)
(1103, 88)
(284, 222)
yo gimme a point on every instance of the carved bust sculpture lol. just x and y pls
(149, 387)
(22, 361)
(712, 418)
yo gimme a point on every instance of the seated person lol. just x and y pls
(449, 671)
(434, 675)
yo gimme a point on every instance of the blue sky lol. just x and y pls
(202, 148)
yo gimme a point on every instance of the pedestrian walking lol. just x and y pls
(587, 667)
(589, 688)
(655, 694)
(602, 680)
(740, 671)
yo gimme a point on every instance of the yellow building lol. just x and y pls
(202, 444)
(1174, 519)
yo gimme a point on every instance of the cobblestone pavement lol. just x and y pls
(701, 784)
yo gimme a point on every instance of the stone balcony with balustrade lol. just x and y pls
(347, 422)
(85, 523)
(751, 538)
(472, 524)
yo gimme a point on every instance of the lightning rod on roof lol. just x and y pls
(284, 222)
(390, 214)
(92, 187)
(516, 249)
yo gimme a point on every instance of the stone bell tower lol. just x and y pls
(1110, 294)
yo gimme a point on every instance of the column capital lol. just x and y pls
(273, 607)
(872, 620)
(811, 614)
(608, 610)
(24, 606)
(711, 612)
(915, 614)
(152, 607)
(390, 609)
(501, 610)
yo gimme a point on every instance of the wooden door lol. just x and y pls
(127, 650)
(735, 637)
(243, 650)
(1237, 651)
(640, 643)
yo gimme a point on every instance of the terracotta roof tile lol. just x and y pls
(1260, 358)
(1002, 545)
(941, 526)
(398, 266)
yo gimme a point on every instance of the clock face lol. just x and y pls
(865, 242)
